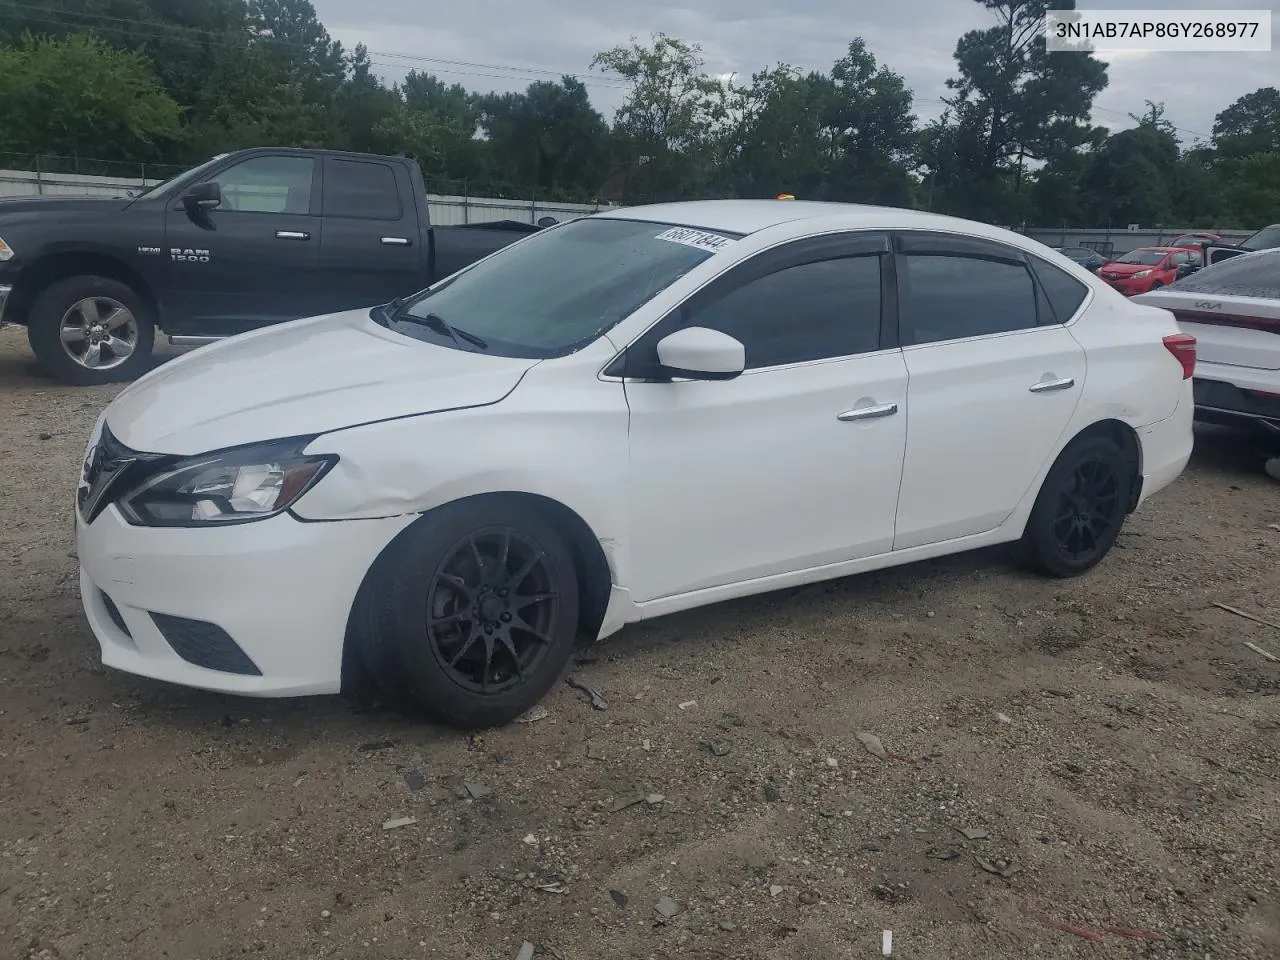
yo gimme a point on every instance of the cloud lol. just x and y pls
(507, 44)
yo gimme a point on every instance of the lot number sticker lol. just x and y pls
(696, 238)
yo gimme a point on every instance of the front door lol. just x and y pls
(994, 382)
(252, 261)
(792, 465)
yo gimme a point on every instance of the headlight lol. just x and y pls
(228, 486)
(1141, 273)
(6, 251)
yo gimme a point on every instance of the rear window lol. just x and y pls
(1265, 239)
(1248, 275)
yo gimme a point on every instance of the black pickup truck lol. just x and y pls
(248, 239)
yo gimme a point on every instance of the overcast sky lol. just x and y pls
(506, 44)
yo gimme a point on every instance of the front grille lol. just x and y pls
(205, 645)
(114, 613)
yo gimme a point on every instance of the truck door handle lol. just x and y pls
(396, 241)
(1044, 386)
(292, 235)
(868, 413)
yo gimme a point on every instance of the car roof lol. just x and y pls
(750, 216)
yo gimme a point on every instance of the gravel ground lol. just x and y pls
(1110, 743)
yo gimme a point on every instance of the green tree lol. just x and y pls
(76, 96)
(1015, 102)
(1250, 125)
(549, 137)
(664, 127)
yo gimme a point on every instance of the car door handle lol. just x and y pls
(1044, 386)
(396, 241)
(292, 235)
(868, 413)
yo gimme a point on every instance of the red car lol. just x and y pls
(1195, 240)
(1145, 269)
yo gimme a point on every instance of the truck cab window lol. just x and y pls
(268, 185)
(361, 189)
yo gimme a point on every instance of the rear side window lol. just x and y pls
(1248, 275)
(945, 296)
(359, 188)
(1064, 292)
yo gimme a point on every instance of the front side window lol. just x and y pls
(268, 185)
(558, 290)
(810, 311)
(945, 296)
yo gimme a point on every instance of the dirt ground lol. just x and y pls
(1112, 735)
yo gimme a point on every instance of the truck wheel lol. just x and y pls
(90, 330)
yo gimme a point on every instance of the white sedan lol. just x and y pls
(623, 416)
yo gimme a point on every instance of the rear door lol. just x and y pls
(372, 250)
(254, 259)
(993, 381)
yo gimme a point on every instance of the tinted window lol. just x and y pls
(1064, 292)
(268, 185)
(947, 297)
(353, 188)
(1249, 275)
(829, 308)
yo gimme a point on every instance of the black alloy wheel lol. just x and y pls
(471, 615)
(1080, 508)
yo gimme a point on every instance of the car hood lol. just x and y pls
(1126, 269)
(58, 206)
(304, 377)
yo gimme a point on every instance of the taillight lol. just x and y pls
(1183, 348)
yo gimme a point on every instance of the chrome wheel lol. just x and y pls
(99, 333)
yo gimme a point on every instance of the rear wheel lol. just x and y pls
(90, 330)
(473, 613)
(1080, 508)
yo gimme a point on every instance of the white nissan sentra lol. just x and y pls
(623, 416)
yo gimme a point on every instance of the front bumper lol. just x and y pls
(1129, 287)
(258, 609)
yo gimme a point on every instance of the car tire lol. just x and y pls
(450, 625)
(1156, 285)
(94, 312)
(1080, 508)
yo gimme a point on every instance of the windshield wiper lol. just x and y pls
(437, 322)
(387, 312)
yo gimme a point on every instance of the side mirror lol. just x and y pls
(203, 196)
(545, 222)
(700, 353)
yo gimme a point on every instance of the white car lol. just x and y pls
(623, 416)
(1233, 310)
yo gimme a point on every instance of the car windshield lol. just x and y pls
(1147, 258)
(187, 176)
(558, 290)
(1265, 239)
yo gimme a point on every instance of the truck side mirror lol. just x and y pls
(203, 196)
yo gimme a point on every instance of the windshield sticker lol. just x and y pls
(695, 238)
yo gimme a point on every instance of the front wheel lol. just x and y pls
(1080, 509)
(90, 330)
(472, 614)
